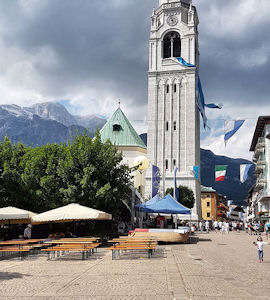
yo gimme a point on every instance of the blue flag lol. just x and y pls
(155, 180)
(184, 63)
(196, 170)
(176, 192)
(244, 172)
(201, 103)
(231, 127)
(212, 105)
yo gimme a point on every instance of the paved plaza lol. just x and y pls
(214, 266)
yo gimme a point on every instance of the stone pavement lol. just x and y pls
(214, 266)
(224, 267)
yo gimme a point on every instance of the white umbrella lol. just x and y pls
(69, 213)
(15, 215)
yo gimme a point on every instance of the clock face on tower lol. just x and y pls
(172, 20)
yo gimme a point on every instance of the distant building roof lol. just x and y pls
(262, 121)
(207, 189)
(120, 132)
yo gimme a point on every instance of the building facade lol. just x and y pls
(208, 203)
(213, 205)
(259, 199)
(173, 118)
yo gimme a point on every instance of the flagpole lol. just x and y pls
(163, 179)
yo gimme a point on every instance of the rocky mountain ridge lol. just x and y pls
(43, 123)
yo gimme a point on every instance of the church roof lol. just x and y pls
(120, 132)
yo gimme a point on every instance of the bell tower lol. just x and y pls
(173, 117)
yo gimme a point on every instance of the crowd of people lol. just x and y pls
(218, 226)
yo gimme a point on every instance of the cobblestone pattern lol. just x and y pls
(216, 267)
(133, 276)
(224, 267)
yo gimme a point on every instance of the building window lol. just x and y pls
(174, 125)
(167, 126)
(167, 89)
(116, 127)
(208, 215)
(174, 162)
(166, 164)
(174, 88)
(171, 45)
(208, 204)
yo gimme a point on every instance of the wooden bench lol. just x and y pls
(123, 244)
(19, 250)
(85, 249)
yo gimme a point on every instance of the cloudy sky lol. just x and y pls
(90, 53)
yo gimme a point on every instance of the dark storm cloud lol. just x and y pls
(234, 51)
(99, 43)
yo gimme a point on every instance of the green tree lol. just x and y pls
(186, 195)
(10, 170)
(84, 171)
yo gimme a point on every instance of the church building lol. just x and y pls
(173, 117)
(122, 134)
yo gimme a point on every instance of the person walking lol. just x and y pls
(220, 225)
(259, 245)
(216, 226)
(207, 226)
(246, 227)
(201, 226)
(227, 227)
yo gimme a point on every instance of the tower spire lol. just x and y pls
(190, 6)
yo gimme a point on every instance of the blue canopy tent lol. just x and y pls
(166, 205)
(142, 206)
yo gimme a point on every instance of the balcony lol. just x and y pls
(259, 149)
(259, 168)
(254, 158)
(261, 181)
(261, 159)
(262, 178)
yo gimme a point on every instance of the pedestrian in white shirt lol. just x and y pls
(259, 245)
(201, 226)
(227, 227)
(207, 226)
(216, 226)
(220, 225)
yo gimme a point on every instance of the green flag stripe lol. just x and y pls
(221, 168)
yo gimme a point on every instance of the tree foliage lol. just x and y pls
(85, 171)
(186, 195)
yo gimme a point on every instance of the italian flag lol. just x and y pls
(220, 173)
